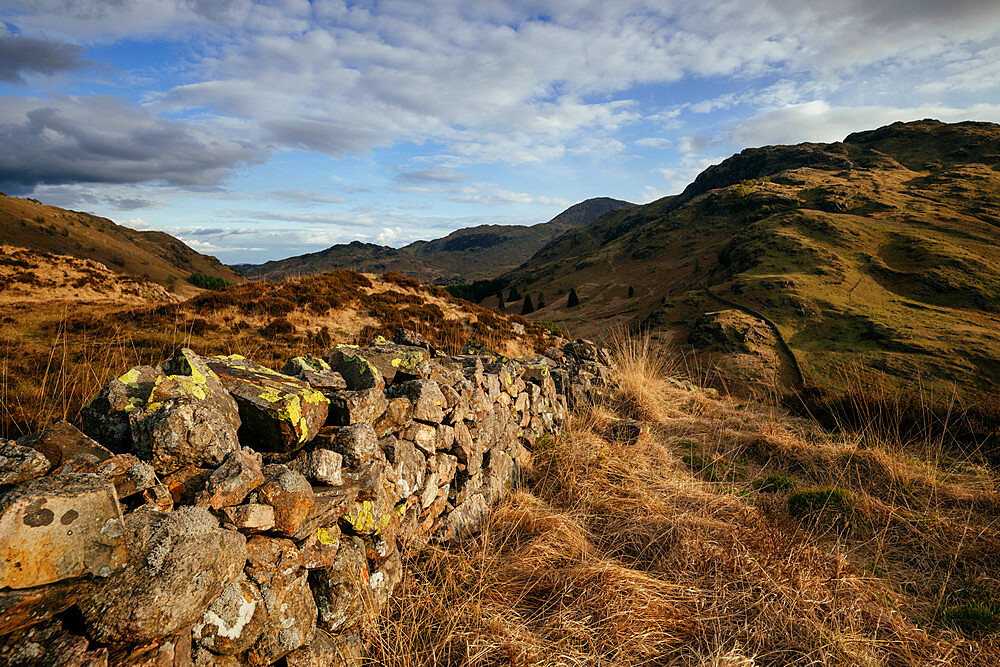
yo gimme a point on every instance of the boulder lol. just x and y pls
(22, 608)
(233, 481)
(49, 645)
(426, 397)
(290, 622)
(316, 372)
(351, 407)
(354, 367)
(410, 338)
(20, 464)
(129, 475)
(424, 436)
(252, 518)
(189, 418)
(178, 563)
(338, 589)
(62, 441)
(289, 493)
(327, 651)
(59, 527)
(106, 417)
(272, 560)
(279, 413)
(320, 466)
(356, 443)
(397, 416)
(234, 621)
(320, 548)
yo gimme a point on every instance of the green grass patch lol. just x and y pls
(836, 505)
(773, 484)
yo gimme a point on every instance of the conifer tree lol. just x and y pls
(528, 307)
(573, 299)
(513, 295)
(631, 291)
(541, 300)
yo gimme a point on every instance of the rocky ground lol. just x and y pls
(213, 511)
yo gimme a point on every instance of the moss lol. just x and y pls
(773, 484)
(976, 618)
(832, 503)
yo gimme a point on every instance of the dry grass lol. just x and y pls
(677, 550)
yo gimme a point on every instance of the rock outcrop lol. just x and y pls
(220, 512)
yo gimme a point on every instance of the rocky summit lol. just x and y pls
(216, 512)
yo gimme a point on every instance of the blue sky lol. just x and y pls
(260, 130)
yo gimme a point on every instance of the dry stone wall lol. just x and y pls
(217, 512)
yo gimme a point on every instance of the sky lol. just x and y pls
(260, 130)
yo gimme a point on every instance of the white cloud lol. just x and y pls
(389, 234)
(654, 142)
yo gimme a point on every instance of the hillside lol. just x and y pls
(467, 254)
(150, 255)
(881, 252)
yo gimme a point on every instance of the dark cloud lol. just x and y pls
(101, 140)
(20, 55)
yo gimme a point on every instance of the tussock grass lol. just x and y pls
(626, 555)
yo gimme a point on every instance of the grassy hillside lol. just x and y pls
(877, 254)
(78, 325)
(731, 535)
(464, 255)
(153, 256)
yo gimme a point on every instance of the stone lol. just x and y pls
(234, 621)
(49, 645)
(106, 417)
(338, 589)
(374, 510)
(500, 475)
(357, 371)
(352, 407)
(204, 658)
(279, 413)
(329, 505)
(20, 464)
(129, 475)
(320, 548)
(424, 436)
(189, 418)
(316, 372)
(319, 466)
(158, 498)
(25, 607)
(59, 527)
(327, 651)
(272, 559)
(468, 451)
(290, 622)
(186, 483)
(387, 576)
(356, 443)
(467, 517)
(233, 481)
(397, 416)
(252, 518)
(289, 493)
(407, 465)
(444, 465)
(426, 397)
(178, 563)
(410, 338)
(62, 441)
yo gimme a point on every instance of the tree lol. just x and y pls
(500, 305)
(541, 300)
(631, 291)
(528, 307)
(573, 300)
(513, 294)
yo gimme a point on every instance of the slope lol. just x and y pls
(154, 256)
(467, 254)
(881, 252)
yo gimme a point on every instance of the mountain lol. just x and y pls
(484, 251)
(878, 254)
(155, 256)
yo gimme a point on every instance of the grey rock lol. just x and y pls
(234, 621)
(20, 464)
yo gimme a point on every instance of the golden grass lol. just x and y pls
(667, 552)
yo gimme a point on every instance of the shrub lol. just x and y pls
(773, 483)
(573, 300)
(528, 307)
(400, 279)
(207, 282)
(277, 327)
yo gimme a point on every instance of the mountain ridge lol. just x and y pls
(466, 254)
